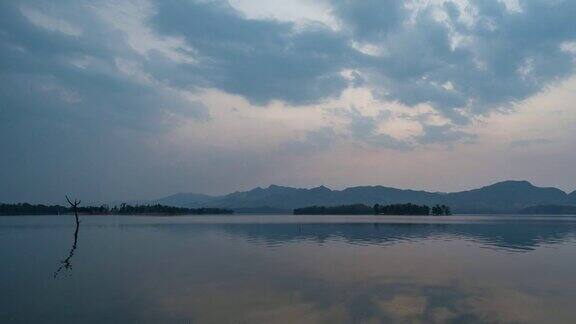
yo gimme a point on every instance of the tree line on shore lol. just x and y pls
(361, 209)
(157, 209)
(123, 209)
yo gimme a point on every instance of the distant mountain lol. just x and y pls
(276, 197)
(185, 200)
(506, 196)
(572, 197)
(502, 197)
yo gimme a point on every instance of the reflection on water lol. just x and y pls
(287, 269)
(512, 234)
(66, 263)
(507, 236)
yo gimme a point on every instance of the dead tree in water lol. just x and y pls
(74, 206)
(67, 262)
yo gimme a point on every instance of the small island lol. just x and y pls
(361, 209)
(123, 209)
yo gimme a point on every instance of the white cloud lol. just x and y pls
(51, 23)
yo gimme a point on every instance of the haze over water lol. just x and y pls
(287, 269)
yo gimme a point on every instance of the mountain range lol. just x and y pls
(501, 197)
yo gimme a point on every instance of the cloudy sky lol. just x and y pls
(138, 99)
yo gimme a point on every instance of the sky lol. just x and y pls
(138, 99)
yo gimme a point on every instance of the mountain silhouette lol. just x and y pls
(501, 197)
(184, 200)
(572, 198)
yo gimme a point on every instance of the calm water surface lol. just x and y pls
(288, 269)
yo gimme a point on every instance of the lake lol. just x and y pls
(288, 269)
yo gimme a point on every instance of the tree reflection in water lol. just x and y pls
(66, 264)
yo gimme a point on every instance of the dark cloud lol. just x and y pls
(262, 60)
(70, 119)
(503, 57)
(463, 69)
(369, 20)
(49, 74)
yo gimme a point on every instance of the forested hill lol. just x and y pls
(360, 209)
